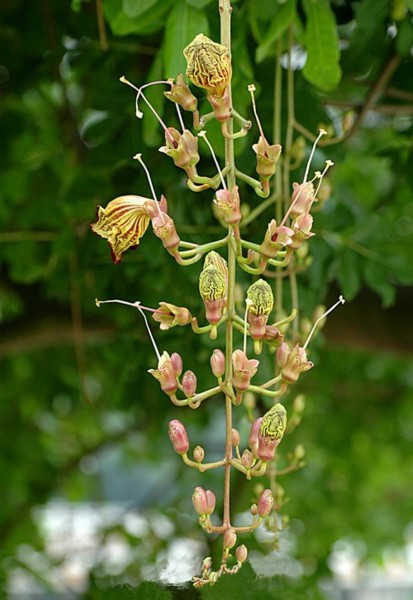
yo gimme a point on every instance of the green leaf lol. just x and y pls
(148, 590)
(144, 22)
(183, 24)
(285, 15)
(134, 9)
(404, 39)
(348, 274)
(198, 4)
(152, 131)
(321, 40)
(377, 278)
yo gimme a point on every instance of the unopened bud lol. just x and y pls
(189, 382)
(177, 363)
(247, 458)
(230, 538)
(178, 436)
(241, 553)
(199, 454)
(213, 290)
(261, 299)
(218, 363)
(253, 441)
(299, 452)
(235, 437)
(203, 501)
(265, 503)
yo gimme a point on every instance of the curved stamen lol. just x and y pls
(251, 89)
(320, 135)
(203, 135)
(341, 300)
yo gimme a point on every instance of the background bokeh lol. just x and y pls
(92, 495)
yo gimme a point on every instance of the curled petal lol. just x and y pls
(123, 222)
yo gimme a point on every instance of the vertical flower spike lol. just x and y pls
(261, 302)
(123, 222)
(213, 287)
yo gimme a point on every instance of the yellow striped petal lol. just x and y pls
(123, 222)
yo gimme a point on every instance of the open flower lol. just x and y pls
(182, 95)
(123, 222)
(208, 65)
(292, 362)
(244, 370)
(169, 315)
(267, 158)
(277, 237)
(165, 374)
(302, 198)
(183, 150)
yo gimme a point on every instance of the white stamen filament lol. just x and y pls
(181, 121)
(329, 163)
(320, 135)
(251, 89)
(140, 308)
(138, 112)
(341, 300)
(138, 157)
(203, 135)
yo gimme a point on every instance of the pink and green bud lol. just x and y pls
(183, 150)
(271, 431)
(228, 205)
(203, 501)
(266, 448)
(165, 374)
(213, 290)
(257, 325)
(292, 362)
(241, 553)
(177, 363)
(260, 298)
(189, 382)
(276, 238)
(244, 370)
(302, 230)
(230, 538)
(267, 158)
(235, 437)
(169, 315)
(182, 95)
(218, 363)
(178, 436)
(247, 458)
(265, 503)
(199, 454)
(273, 335)
(253, 439)
(302, 198)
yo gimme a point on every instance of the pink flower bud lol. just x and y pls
(266, 448)
(247, 458)
(203, 501)
(165, 374)
(177, 363)
(189, 382)
(273, 335)
(235, 437)
(230, 538)
(265, 503)
(218, 363)
(257, 325)
(241, 553)
(253, 441)
(178, 436)
(199, 454)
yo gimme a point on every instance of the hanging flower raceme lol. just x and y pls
(292, 362)
(123, 222)
(260, 301)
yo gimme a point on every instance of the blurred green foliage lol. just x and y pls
(76, 402)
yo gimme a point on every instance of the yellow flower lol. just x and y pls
(123, 222)
(208, 65)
